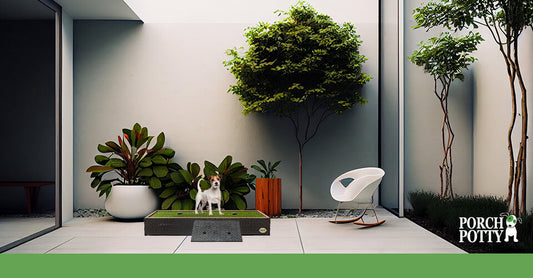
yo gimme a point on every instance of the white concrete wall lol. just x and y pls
(67, 128)
(169, 76)
(423, 120)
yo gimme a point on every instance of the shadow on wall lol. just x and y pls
(423, 146)
(170, 78)
(343, 142)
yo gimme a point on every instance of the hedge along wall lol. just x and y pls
(167, 74)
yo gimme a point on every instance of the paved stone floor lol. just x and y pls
(288, 235)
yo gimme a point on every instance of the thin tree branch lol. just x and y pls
(325, 114)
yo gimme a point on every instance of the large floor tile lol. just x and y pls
(283, 239)
(41, 245)
(396, 235)
(100, 226)
(120, 244)
(15, 228)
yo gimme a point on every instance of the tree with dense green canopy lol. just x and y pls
(506, 20)
(444, 58)
(304, 67)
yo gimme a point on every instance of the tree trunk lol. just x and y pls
(516, 198)
(446, 167)
(525, 120)
(301, 182)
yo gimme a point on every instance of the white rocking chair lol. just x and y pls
(361, 189)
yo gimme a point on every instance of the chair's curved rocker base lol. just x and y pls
(344, 221)
(360, 217)
(370, 224)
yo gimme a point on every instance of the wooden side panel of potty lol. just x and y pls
(182, 226)
(268, 196)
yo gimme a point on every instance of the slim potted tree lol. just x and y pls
(267, 189)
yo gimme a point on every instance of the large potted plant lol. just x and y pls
(267, 189)
(127, 168)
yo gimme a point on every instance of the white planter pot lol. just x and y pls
(131, 201)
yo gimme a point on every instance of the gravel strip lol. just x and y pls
(318, 213)
(90, 213)
(286, 213)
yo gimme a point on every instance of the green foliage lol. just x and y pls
(304, 67)
(471, 206)
(513, 15)
(525, 231)
(305, 57)
(235, 184)
(267, 171)
(506, 20)
(444, 213)
(134, 160)
(446, 56)
(420, 201)
(439, 212)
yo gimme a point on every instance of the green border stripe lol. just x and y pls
(260, 265)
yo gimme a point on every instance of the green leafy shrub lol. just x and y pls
(444, 214)
(525, 231)
(438, 211)
(304, 67)
(133, 160)
(235, 184)
(472, 206)
(267, 171)
(420, 201)
(176, 194)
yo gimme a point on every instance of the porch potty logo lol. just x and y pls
(488, 229)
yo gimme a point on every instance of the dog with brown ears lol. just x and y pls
(210, 196)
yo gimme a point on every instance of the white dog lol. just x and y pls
(510, 231)
(209, 196)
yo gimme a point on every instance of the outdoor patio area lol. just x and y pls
(288, 235)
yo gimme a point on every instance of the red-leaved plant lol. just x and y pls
(133, 160)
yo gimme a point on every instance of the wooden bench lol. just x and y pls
(31, 188)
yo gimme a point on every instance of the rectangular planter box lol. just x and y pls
(268, 196)
(180, 223)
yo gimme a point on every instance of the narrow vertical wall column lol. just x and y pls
(401, 106)
(67, 86)
(390, 65)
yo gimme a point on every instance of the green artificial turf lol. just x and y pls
(190, 213)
